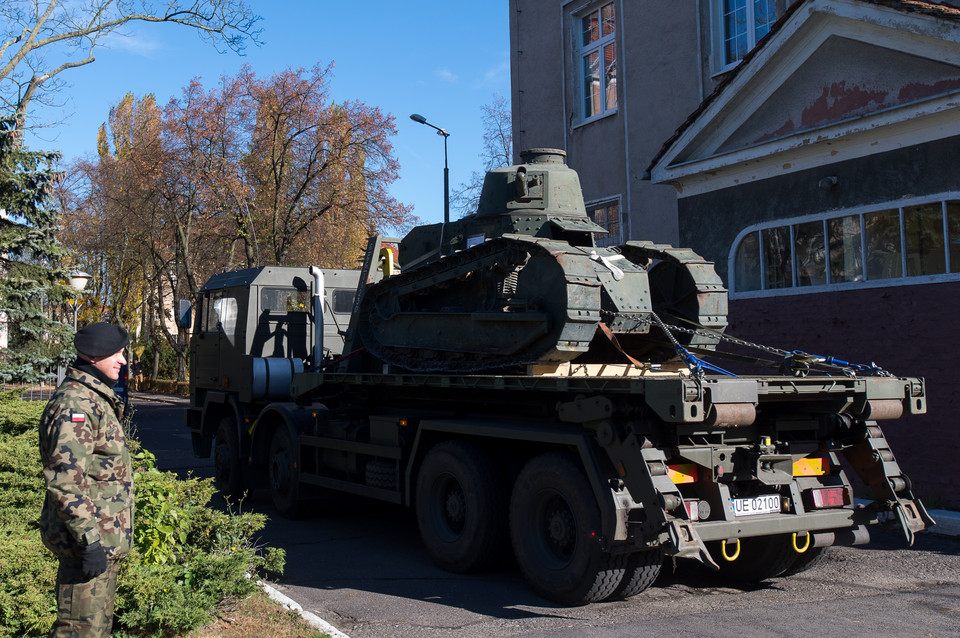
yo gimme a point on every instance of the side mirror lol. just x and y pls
(184, 315)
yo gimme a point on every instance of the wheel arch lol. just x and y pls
(293, 418)
(216, 406)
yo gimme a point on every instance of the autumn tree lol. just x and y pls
(497, 151)
(30, 253)
(254, 171)
(317, 172)
(42, 39)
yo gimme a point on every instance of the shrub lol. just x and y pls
(188, 557)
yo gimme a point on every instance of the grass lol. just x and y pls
(257, 615)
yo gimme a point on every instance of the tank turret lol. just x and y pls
(540, 197)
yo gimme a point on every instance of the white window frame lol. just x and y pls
(609, 239)
(795, 289)
(720, 35)
(598, 46)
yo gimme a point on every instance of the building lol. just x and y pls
(810, 149)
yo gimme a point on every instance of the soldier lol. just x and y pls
(87, 518)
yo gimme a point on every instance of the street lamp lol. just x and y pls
(77, 281)
(446, 174)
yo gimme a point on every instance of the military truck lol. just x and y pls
(526, 390)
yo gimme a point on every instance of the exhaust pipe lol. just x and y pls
(318, 294)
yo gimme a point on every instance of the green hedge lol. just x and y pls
(188, 557)
(165, 386)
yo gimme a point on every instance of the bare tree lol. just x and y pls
(40, 39)
(497, 152)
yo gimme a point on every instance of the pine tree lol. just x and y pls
(30, 256)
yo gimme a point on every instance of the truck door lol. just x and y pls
(218, 319)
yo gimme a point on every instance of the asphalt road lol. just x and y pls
(359, 565)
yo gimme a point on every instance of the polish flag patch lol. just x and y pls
(77, 417)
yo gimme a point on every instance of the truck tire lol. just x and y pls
(640, 572)
(461, 504)
(760, 558)
(555, 525)
(228, 475)
(284, 474)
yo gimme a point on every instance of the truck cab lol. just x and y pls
(253, 329)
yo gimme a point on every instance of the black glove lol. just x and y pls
(93, 560)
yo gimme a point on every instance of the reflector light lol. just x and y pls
(682, 472)
(811, 466)
(829, 497)
(693, 511)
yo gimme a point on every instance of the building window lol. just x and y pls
(598, 59)
(741, 25)
(606, 214)
(918, 243)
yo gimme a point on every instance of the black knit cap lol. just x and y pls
(100, 339)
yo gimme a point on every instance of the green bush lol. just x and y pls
(188, 557)
(165, 386)
(168, 360)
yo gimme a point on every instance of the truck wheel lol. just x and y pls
(284, 470)
(642, 569)
(461, 501)
(761, 557)
(228, 476)
(555, 526)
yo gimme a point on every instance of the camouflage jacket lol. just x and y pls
(87, 469)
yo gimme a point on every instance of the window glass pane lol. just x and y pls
(811, 254)
(776, 258)
(882, 235)
(923, 227)
(343, 301)
(845, 259)
(953, 227)
(610, 75)
(609, 19)
(747, 263)
(225, 309)
(591, 28)
(609, 217)
(591, 84)
(284, 300)
(210, 317)
(764, 15)
(734, 29)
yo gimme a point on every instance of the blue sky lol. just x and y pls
(443, 60)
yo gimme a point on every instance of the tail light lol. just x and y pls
(828, 497)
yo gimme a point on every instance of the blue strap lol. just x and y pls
(698, 365)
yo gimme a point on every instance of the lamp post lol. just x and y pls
(77, 281)
(446, 173)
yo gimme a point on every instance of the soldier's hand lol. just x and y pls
(93, 560)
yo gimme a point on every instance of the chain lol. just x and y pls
(796, 357)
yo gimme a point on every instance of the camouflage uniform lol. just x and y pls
(89, 497)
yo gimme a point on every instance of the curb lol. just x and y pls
(948, 523)
(312, 619)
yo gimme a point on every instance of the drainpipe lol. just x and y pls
(318, 316)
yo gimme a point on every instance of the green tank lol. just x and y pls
(523, 282)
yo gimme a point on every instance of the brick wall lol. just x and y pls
(907, 330)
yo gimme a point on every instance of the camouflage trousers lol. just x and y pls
(84, 607)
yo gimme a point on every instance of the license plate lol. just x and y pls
(767, 504)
